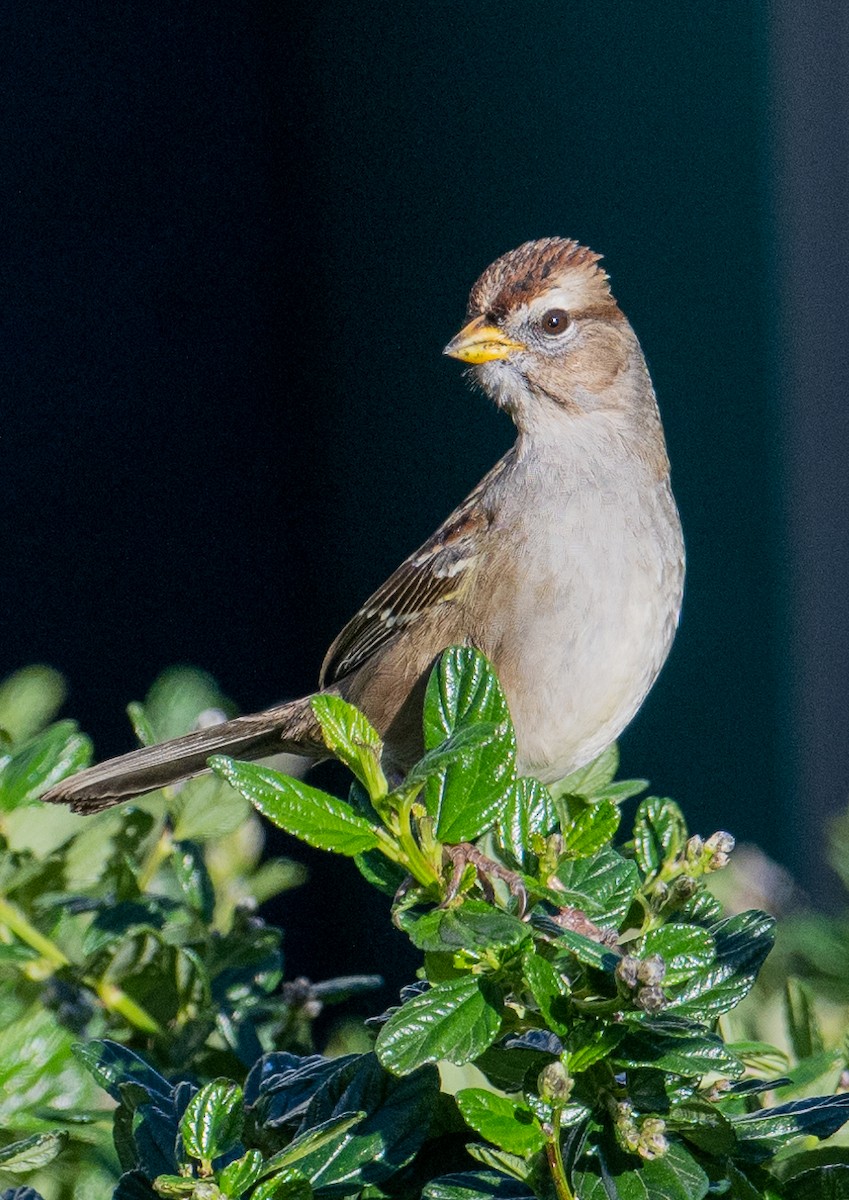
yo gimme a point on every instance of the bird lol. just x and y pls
(564, 566)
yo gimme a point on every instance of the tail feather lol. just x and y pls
(289, 728)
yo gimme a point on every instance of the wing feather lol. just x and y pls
(435, 573)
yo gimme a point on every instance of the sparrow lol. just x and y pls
(564, 566)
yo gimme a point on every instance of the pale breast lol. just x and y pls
(587, 606)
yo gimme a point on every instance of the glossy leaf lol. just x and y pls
(550, 990)
(603, 886)
(508, 1124)
(591, 829)
(307, 813)
(667, 1046)
(212, 1123)
(473, 925)
(528, 809)
(742, 943)
(351, 737)
(396, 1121)
(456, 1021)
(821, 1116)
(615, 1175)
(283, 1185)
(685, 950)
(477, 1185)
(466, 797)
(238, 1175)
(660, 833)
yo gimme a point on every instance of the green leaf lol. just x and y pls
(615, 1175)
(742, 943)
(113, 1065)
(508, 1124)
(455, 1020)
(473, 925)
(770, 1127)
(32, 1152)
(685, 950)
(381, 872)
(350, 736)
(829, 1182)
(550, 990)
(591, 829)
(603, 886)
(477, 1185)
(41, 762)
(212, 1122)
(29, 699)
(466, 798)
(317, 818)
(592, 778)
(679, 1049)
(802, 1023)
(285, 1185)
(190, 871)
(174, 1185)
(589, 1042)
(175, 701)
(660, 833)
(588, 952)
(704, 1125)
(238, 1176)
(398, 1116)
(528, 809)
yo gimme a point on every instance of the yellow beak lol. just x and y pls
(478, 342)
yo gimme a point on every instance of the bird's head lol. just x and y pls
(544, 330)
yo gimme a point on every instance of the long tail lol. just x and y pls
(289, 728)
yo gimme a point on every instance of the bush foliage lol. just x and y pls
(574, 1032)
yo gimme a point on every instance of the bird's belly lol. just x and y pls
(592, 637)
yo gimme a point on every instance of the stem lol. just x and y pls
(17, 923)
(419, 867)
(555, 1161)
(159, 851)
(112, 997)
(116, 1000)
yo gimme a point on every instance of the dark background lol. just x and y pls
(233, 245)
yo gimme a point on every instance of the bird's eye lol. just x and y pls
(554, 321)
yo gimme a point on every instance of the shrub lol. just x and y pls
(568, 1036)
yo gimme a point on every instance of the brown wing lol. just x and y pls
(438, 571)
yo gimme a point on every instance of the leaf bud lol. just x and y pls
(651, 970)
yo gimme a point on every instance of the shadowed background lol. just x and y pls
(234, 245)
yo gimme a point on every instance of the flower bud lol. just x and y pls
(554, 1084)
(684, 887)
(626, 971)
(651, 970)
(650, 999)
(695, 848)
(720, 842)
(653, 1143)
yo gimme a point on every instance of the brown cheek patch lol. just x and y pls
(602, 358)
